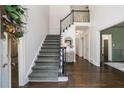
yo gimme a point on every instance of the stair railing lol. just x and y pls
(73, 16)
(62, 60)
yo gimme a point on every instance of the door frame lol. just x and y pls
(21, 64)
(86, 46)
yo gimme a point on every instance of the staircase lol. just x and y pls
(47, 64)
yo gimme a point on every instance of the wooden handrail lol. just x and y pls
(80, 10)
(74, 11)
(67, 15)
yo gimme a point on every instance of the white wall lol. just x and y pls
(79, 43)
(77, 46)
(70, 32)
(57, 12)
(37, 27)
(82, 47)
(102, 17)
(86, 45)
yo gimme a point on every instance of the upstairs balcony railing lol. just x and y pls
(73, 16)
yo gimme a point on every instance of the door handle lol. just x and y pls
(13, 64)
(4, 65)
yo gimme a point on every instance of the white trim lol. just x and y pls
(92, 61)
(63, 78)
(88, 46)
(21, 62)
(9, 61)
(33, 61)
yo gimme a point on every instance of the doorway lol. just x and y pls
(115, 55)
(105, 50)
(106, 47)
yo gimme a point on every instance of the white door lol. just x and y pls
(5, 64)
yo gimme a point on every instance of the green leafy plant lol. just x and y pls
(12, 20)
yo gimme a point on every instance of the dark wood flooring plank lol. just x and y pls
(83, 74)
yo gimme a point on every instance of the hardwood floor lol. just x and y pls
(82, 74)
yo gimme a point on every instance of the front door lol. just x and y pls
(5, 64)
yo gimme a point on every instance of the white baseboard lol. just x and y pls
(94, 63)
(33, 63)
(63, 78)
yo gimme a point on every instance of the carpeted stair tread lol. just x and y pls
(49, 50)
(52, 47)
(47, 63)
(48, 54)
(46, 60)
(45, 67)
(48, 57)
(44, 75)
(45, 70)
